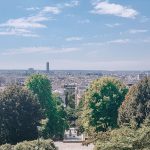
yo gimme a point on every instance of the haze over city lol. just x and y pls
(76, 35)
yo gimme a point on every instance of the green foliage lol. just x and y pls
(41, 86)
(100, 104)
(134, 112)
(124, 139)
(136, 107)
(19, 115)
(54, 110)
(70, 100)
(61, 117)
(30, 145)
(71, 116)
(6, 147)
(79, 114)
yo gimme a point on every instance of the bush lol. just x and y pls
(30, 145)
(124, 139)
(6, 147)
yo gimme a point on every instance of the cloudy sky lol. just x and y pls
(75, 34)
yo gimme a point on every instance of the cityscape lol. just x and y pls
(75, 75)
(76, 80)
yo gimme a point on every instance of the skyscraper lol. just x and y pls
(47, 67)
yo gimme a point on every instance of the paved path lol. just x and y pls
(72, 146)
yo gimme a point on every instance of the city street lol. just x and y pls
(72, 146)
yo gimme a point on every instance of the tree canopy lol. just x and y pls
(20, 114)
(100, 104)
(136, 107)
(41, 86)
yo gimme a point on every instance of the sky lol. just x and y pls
(75, 34)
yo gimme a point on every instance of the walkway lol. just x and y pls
(72, 146)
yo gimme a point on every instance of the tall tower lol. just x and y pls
(47, 67)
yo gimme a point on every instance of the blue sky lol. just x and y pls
(75, 34)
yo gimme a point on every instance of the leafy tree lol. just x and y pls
(136, 107)
(100, 104)
(70, 100)
(41, 86)
(79, 116)
(54, 111)
(61, 117)
(20, 114)
(71, 116)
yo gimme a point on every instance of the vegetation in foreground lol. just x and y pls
(131, 118)
(28, 111)
(30, 145)
(111, 116)
(20, 114)
(124, 138)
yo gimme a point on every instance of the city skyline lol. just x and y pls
(76, 35)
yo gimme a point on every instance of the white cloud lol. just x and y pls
(31, 50)
(32, 8)
(53, 10)
(116, 41)
(25, 23)
(94, 43)
(19, 32)
(134, 31)
(104, 7)
(69, 39)
(119, 41)
(73, 3)
(113, 25)
(23, 26)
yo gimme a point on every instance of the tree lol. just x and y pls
(70, 100)
(61, 116)
(71, 116)
(20, 114)
(136, 107)
(100, 104)
(41, 86)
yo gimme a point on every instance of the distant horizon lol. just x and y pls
(74, 70)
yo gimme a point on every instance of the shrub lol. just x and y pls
(125, 139)
(6, 147)
(30, 145)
